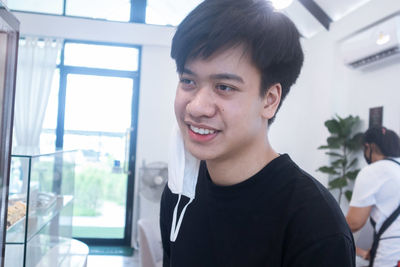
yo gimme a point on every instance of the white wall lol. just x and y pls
(156, 117)
(94, 30)
(365, 89)
(298, 129)
(327, 87)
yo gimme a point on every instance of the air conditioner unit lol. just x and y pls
(372, 45)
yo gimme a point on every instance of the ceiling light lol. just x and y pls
(281, 4)
(383, 38)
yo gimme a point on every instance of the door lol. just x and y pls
(97, 115)
(98, 122)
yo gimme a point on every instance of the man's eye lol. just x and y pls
(187, 81)
(225, 88)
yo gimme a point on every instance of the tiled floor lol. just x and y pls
(114, 261)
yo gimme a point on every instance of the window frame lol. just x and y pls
(137, 15)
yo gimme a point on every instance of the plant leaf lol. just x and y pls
(338, 163)
(324, 147)
(327, 169)
(347, 125)
(333, 154)
(334, 142)
(355, 143)
(352, 174)
(333, 126)
(338, 183)
(348, 194)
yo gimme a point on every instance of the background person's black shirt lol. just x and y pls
(279, 217)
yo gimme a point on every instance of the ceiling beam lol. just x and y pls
(317, 12)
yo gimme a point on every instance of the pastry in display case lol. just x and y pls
(15, 212)
(40, 211)
(9, 35)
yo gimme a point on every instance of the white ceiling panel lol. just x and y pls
(307, 24)
(337, 9)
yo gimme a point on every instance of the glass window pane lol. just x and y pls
(101, 56)
(41, 6)
(169, 12)
(117, 10)
(98, 103)
(97, 121)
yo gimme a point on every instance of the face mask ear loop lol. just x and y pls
(173, 225)
(175, 228)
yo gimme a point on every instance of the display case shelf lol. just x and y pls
(16, 233)
(40, 206)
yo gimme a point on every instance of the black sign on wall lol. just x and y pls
(375, 117)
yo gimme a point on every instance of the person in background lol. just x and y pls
(246, 205)
(376, 195)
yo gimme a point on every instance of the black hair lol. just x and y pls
(270, 38)
(387, 140)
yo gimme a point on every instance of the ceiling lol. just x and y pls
(310, 16)
(313, 16)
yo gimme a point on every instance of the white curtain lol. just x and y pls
(37, 59)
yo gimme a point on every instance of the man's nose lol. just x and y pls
(202, 103)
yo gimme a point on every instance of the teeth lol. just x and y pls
(201, 130)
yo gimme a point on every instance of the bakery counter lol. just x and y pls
(45, 251)
(40, 205)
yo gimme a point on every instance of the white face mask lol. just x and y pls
(183, 170)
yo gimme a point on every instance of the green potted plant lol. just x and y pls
(342, 145)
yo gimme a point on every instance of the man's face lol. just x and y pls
(218, 106)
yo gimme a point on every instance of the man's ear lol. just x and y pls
(271, 100)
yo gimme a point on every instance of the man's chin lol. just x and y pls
(197, 155)
(200, 155)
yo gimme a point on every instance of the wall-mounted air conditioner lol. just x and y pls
(373, 44)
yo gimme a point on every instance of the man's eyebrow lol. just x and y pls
(227, 76)
(187, 71)
(219, 76)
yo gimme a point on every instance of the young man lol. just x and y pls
(376, 196)
(249, 206)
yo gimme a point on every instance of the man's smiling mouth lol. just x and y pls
(202, 131)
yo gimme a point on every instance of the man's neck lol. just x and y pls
(235, 170)
(377, 157)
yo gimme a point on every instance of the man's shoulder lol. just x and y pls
(318, 198)
(312, 205)
(305, 186)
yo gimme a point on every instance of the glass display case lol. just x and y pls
(9, 27)
(40, 207)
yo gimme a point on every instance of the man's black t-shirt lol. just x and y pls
(279, 217)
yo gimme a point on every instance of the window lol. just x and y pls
(116, 10)
(41, 6)
(159, 12)
(101, 56)
(168, 12)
